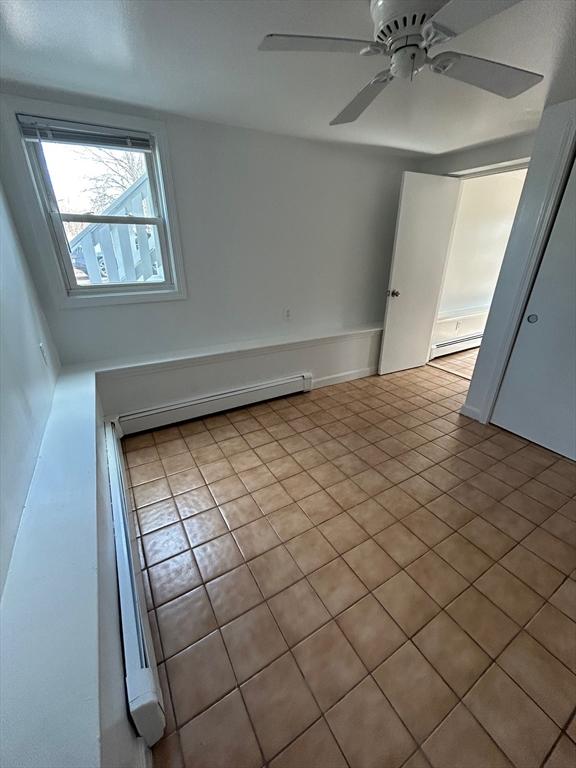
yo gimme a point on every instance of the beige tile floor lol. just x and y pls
(359, 576)
(460, 363)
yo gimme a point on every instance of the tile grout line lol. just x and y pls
(460, 699)
(371, 593)
(403, 568)
(429, 548)
(563, 732)
(266, 515)
(237, 686)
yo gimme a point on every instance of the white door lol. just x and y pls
(537, 398)
(423, 233)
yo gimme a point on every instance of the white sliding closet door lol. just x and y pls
(537, 398)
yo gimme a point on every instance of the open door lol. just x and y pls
(423, 233)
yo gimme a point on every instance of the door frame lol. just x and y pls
(552, 158)
(461, 176)
(489, 170)
(493, 170)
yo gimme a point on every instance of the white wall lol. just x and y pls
(267, 223)
(58, 709)
(26, 383)
(484, 219)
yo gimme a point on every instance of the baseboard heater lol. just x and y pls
(455, 345)
(213, 403)
(143, 692)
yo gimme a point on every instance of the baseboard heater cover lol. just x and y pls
(455, 345)
(143, 691)
(214, 403)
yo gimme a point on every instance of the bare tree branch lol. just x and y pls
(117, 171)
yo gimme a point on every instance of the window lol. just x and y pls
(102, 196)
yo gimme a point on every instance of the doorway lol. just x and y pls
(451, 236)
(483, 221)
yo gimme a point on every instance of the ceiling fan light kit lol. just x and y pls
(404, 32)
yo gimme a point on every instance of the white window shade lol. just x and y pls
(38, 129)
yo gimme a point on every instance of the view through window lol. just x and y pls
(107, 182)
(101, 194)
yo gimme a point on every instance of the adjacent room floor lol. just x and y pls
(359, 576)
(460, 363)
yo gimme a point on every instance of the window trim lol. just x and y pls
(69, 295)
(56, 219)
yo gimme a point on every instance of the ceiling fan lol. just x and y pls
(404, 32)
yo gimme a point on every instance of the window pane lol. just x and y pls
(98, 180)
(113, 254)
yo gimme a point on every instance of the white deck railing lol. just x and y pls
(119, 253)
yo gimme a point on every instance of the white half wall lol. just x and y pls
(61, 666)
(27, 380)
(133, 388)
(267, 224)
(49, 649)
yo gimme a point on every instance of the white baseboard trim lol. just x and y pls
(172, 413)
(338, 378)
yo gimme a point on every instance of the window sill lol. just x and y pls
(99, 298)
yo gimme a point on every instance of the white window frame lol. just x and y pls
(74, 296)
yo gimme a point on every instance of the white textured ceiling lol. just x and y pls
(200, 58)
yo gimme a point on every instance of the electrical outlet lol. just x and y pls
(287, 314)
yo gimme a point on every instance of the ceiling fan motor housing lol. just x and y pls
(397, 20)
(407, 61)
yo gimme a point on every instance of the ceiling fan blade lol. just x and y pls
(363, 99)
(459, 15)
(492, 76)
(321, 44)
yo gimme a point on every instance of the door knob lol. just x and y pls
(394, 293)
(532, 318)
